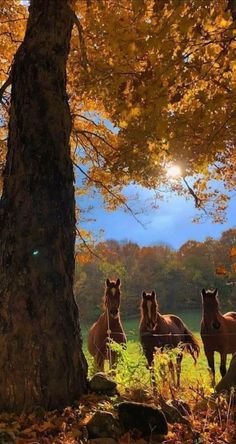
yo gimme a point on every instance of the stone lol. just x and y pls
(181, 406)
(102, 441)
(172, 413)
(100, 383)
(6, 437)
(145, 418)
(229, 380)
(103, 425)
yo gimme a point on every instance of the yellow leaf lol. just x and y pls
(123, 124)
(135, 111)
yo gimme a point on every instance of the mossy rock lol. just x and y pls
(145, 418)
(100, 383)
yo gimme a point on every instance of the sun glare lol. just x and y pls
(174, 171)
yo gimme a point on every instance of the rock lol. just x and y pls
(6, 437)
(181, 406)
(229, 380)
(102, 441)
(172, 413)
(142, 417)
(100, 383)
(103, 425)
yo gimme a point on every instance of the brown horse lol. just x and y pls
(108, 327)
(218, 331)
(164, 331)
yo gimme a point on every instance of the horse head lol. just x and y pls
(210, 299)
(149, 309)
(112, 298)
(210, 304)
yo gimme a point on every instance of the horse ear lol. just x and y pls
(203, 292)
(153, 294)
(144, 294)
(215, 292)
(108, 282)
(118, 283)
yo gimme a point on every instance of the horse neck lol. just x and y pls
(143, 320)
(111, 322)
(159, 318)
(210, 312)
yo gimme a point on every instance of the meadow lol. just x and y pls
(131, 372)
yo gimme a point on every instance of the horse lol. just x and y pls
(218, 331)
(164, 331)
(108, 327)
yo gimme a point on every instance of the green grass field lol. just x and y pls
(132, 367)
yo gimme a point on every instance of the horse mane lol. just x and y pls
(141, 305)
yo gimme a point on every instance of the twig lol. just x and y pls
(86, 245)
(198, 203)
(229, 407)
(81, 116)
(99, 182)
(99, 137)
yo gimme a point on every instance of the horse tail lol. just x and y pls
(191, 344)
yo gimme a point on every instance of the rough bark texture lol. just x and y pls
(41, 359)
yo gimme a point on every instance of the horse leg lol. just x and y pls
(223, 357)
(113, 359)
(149, 355)
(178, 367)
(99, 360)
(211, 365)
(172, 371)
(153, 380)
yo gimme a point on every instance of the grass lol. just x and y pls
(132, 370)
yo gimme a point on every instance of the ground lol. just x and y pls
(210, 421)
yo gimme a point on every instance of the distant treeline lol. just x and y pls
(177, 276)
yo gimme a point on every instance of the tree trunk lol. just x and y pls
(41, 358)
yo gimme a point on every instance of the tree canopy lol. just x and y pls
(150, 83)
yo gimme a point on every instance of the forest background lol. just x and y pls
(177, 275)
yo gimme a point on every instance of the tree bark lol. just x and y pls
(41, 358)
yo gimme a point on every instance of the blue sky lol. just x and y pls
(171, 223)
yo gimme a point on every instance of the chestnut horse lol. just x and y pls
(218, 331)
(160, 331)
(108, 327)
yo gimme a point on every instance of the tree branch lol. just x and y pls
(198, 203)
(95, 149)
(86, 245)
(99, 137)
(84, 58)
(118, 198)
(81, 116)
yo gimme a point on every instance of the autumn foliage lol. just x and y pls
(177, 276)
(150, 83)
